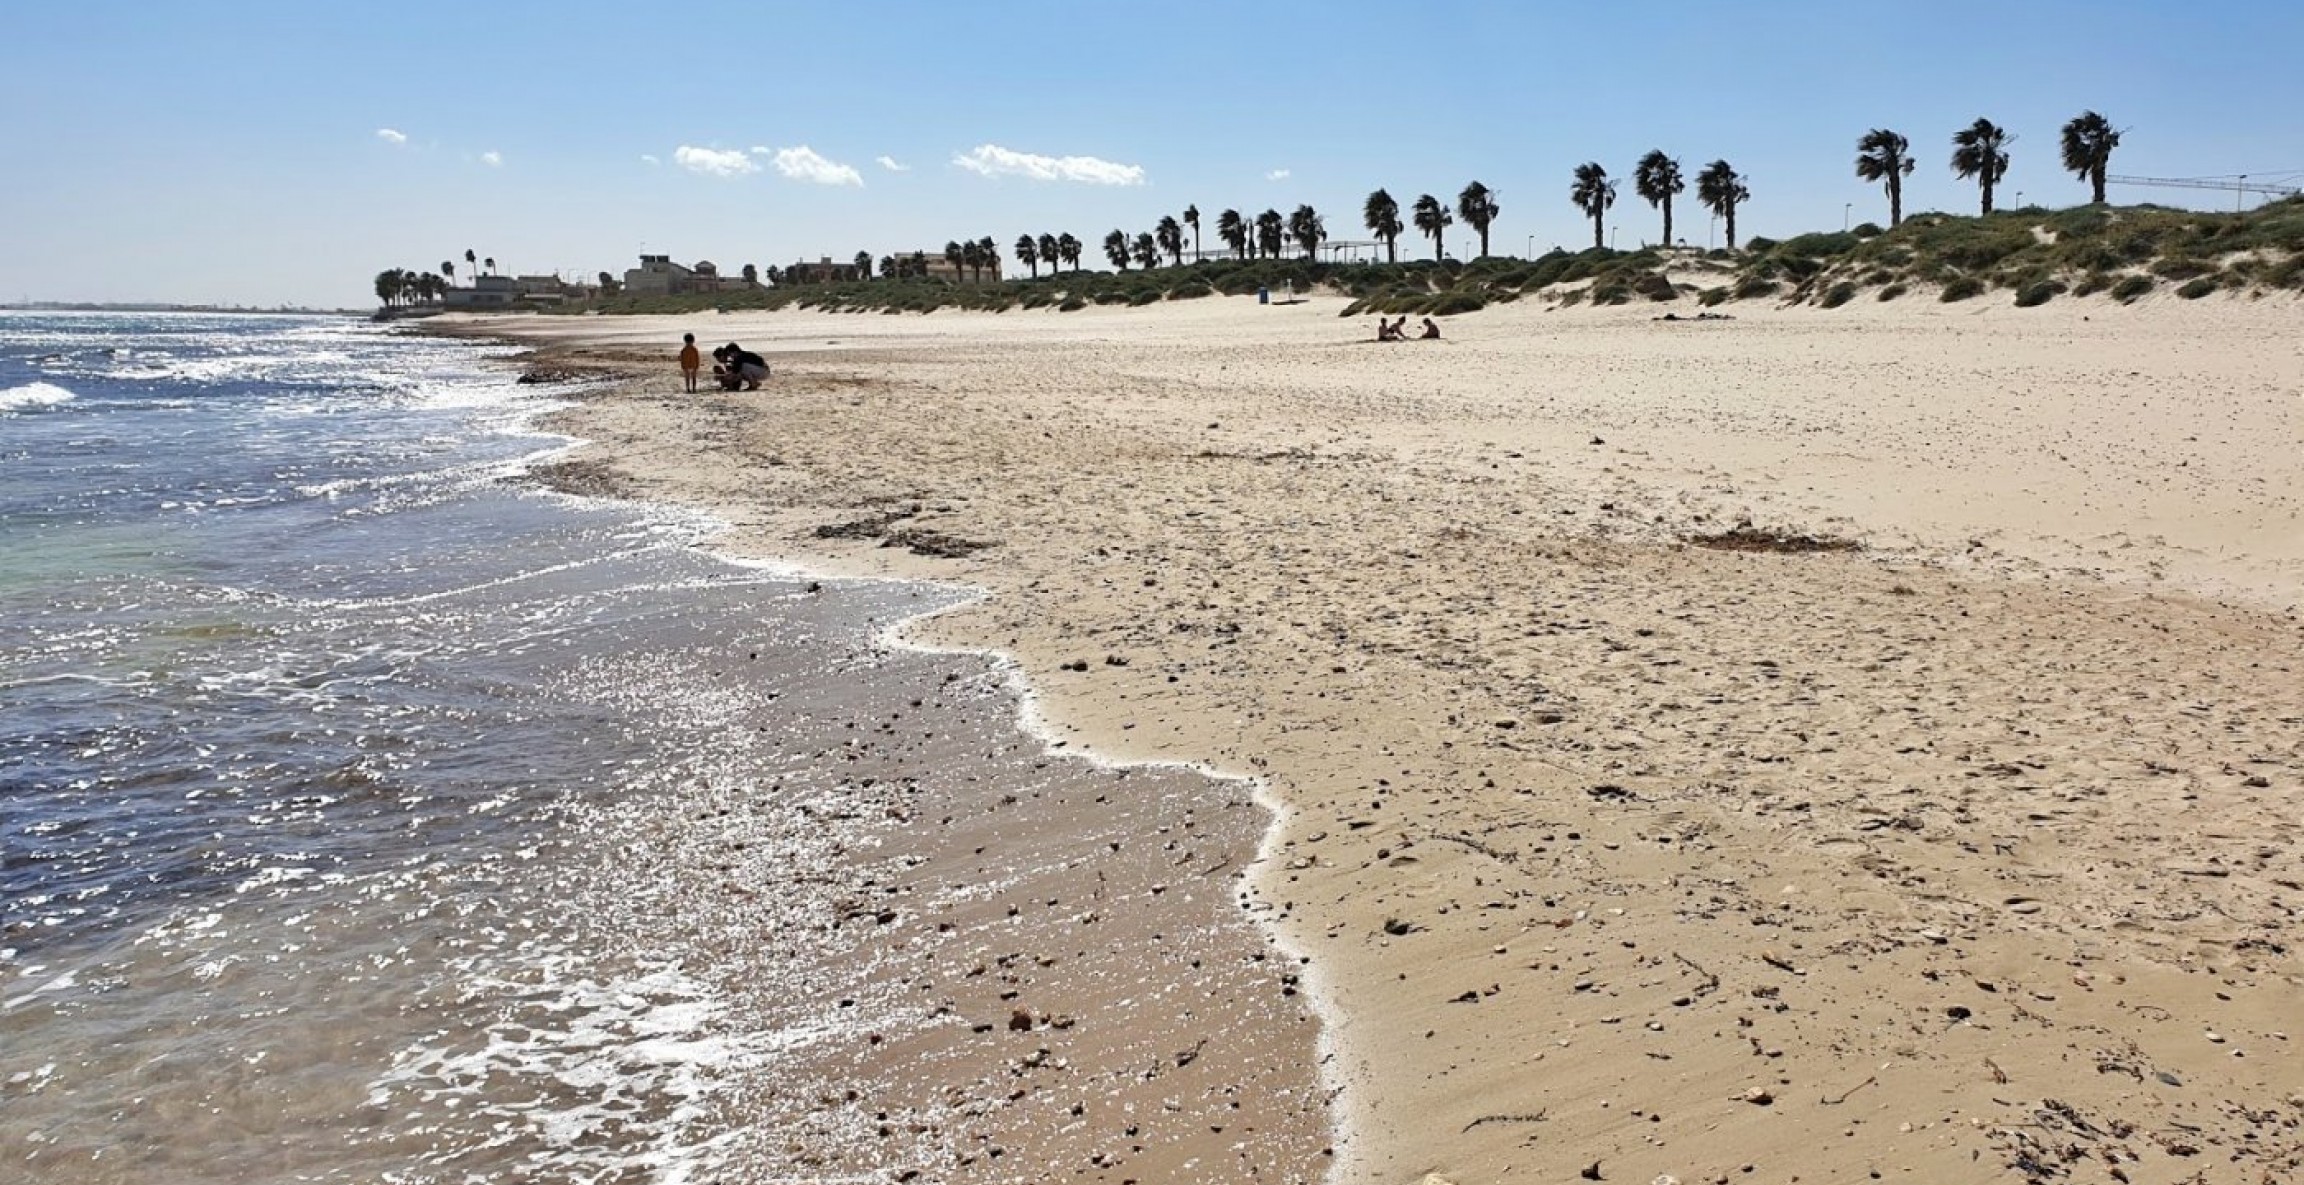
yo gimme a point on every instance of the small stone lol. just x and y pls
(1020, 1021)
(1758, 1096)
(2214, 1037)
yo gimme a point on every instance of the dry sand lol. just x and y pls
(1971, 855)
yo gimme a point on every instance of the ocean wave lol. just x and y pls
(31, 396)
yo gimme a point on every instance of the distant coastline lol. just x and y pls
(74, 306)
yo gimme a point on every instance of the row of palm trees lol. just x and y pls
(400, 286)
(1980, 151)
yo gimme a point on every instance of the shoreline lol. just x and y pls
(1616, 772)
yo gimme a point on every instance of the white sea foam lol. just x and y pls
(31, 396)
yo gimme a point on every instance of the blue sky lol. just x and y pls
(236, 151)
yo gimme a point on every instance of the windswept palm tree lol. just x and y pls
(1478, 206)
(956, 255)
(1145, 250)
(1593, 193)
(1433, 221)
(1028, 253)
(448, 270)
(1169, 234)
(1068, 249)
(1382, 216)
(1116, 249)
(1884, 156)
(1049, 252)
(491, 263)
(972, 258)
(1656, 178)
(1721, 191)
(987, 256)
(1233, 229)
(1270, 231)
(752, 275)
(1980, 150)
(1192, 219)
(1305, 227)
(2088, 143)
(863, 262)
(471, 263)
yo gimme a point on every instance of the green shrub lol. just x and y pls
(1754, 287)
(2039, 292)
(1714, 296)
(2091, 284)
(1868, 230)
(1611, 292)
(2198, 288)
(1891, 292)
(2131, 288)
(1759, 245)
(2181, 268)
(1821, 245)
(1839, 294)
(1963, 288)
(1072, 304)
(1655, 286)
(1448, 304)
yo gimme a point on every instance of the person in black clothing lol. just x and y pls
(748, 367)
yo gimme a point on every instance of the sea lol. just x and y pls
(369, 812)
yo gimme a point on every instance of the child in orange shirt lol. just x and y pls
(690, 360)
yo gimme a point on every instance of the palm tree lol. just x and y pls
(1268, 233)
(972, 258)
(987, 256)
(1028, 253)
(863, 262)
(471, 262)
(448, 269)
(1382, 216)
(1192, 219)
(1593, 193)
(2088, 143)
(1049, 252)
(1170, 235)
(388, 286)
(1231, 228)
(1068, 249)
(1980, 150)
(751, 276)
(1433, 220)
(1478, 206)
(1883, 155)
(491, 263)
(1656, 178)
(1721, 191)
(1116, 249)
(1305, 227)
(1146, 250)
(956, 255)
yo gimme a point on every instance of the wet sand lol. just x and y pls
(1628, 818)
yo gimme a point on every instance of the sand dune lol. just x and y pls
(1967, 854)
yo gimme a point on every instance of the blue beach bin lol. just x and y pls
(1263, 295)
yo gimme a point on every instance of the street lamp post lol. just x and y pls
(1531, 246)
(1846, 214)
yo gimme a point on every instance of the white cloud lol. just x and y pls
(889, 163)
(1276, 175)
(647, 159)
(991, 160)
(714, 162)
(492, 159)
(758, 150)
(802, 164)
(392, 135)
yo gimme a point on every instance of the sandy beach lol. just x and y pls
(1810, 746)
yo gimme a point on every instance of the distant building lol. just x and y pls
(936, 267)
(485, 292)
(657, 275)
(824, 271)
